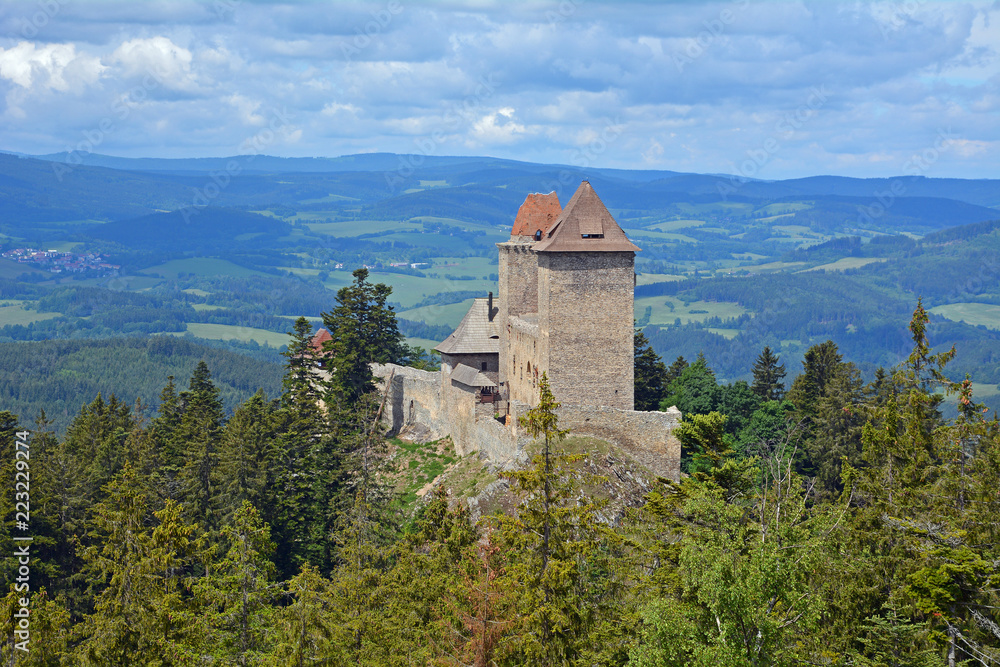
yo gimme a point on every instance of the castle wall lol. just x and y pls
(518, 285)
(417, 404)
(525, 364)
(414, 398)
(646, 436)
(585, 308)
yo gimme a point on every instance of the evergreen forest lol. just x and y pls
(820, 520)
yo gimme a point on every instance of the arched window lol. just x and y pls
(538, 235)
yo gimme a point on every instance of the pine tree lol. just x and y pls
(300, 459)
(675, 370)
(144, 612)
(305, 626)
(246, 456)
(199, 430)
(555, 542)
(821, 363)
(695, 391)
(364, 331)
(650, 375)
(237, 593)
(164, 430)
(768, 375)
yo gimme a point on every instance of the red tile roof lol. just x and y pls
(537, 212)
(317, 341)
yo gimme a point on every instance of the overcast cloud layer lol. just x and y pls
(764, 89)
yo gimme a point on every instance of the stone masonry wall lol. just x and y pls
(518, 285)
(414, 398)
(523, 369)
(586, 303)
(417, 404)
(647, 436)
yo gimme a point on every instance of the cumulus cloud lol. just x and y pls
(53, 66)
(686, 86)
(157, 57)
(498, 127)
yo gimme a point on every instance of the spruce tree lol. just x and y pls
(364, 330)
(247, 456)
(767, 376)
(555, 539)
(199, 431)
(675, 370)
(650, 375)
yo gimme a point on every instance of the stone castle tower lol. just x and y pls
(567, 278)
(565, 308)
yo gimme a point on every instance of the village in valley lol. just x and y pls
(55, 261)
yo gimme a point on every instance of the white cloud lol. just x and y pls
(157, 57)
(498, 127)
(54, 66)
(895, 73)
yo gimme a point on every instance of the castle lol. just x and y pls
(564, 309)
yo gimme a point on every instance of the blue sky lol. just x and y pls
(764, 89)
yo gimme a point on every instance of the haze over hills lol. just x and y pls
(233, 248)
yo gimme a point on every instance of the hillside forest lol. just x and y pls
(821, 519)
(99, 253)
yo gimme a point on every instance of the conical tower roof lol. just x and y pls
(585, 225)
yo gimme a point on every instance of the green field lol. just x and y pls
(355, 227)
(9, 269)
(674, 225)
(648, 278)
(971, 313)
(233, 332)
(13, 311)
(205, 306)
(662, 314)
(450, 314)
(845, 263)
(774, 266)
(410, 290)
(196, 292)
(660, 236)
(784, 207)
(726, 333)
(422, 342)
(200, 266)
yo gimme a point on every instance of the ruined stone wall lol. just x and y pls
(498, 444)
(417, 404)
(585, 308)
(414, 399)
(524, 364)
(459, 403)
(646, 436)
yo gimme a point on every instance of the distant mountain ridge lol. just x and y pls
(982, 192)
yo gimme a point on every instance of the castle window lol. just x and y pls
(538, 235)
(592, 236)
(484, 365)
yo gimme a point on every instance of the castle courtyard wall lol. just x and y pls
(418, 402)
